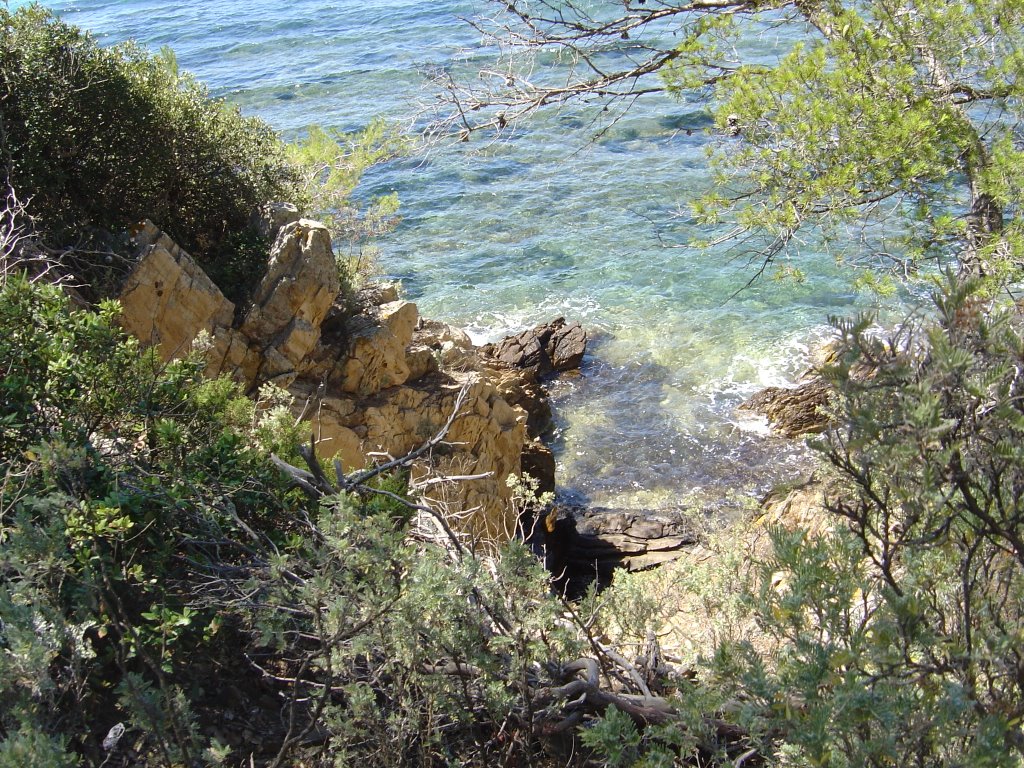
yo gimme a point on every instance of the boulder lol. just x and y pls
(167, 299)
(518, 363)
(292, 300)
(452, 346)
(376, 356)
(566, 345)
(630, 538)
(794, 411)
(523, 351)
(273, 217)
(554, 346)
(421, 361)
(232, 354)
(584, 545)
(375, 294)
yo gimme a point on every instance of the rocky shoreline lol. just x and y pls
(377, 382)
(372, 384)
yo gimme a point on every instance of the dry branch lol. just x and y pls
(580, 690)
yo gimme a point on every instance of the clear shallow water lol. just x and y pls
(497, 237)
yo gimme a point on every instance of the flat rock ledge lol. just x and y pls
(584, 545)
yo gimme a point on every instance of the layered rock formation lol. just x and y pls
(168, 300)
(586, 545)
(372, 386)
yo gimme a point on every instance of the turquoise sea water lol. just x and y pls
(499, 236)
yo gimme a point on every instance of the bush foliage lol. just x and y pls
(168, 598)
(96, 139)
(915, 637)
(893, 637)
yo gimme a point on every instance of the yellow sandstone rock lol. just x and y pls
(168, 299)
(370, 392)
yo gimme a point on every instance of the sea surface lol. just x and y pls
(561, 219)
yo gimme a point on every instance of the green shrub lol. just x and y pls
(331, 164)
(100, 138)
(122, 480)
(160, 585)
(897, 635)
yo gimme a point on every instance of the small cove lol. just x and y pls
(499, 236)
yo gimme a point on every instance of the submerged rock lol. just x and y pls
(803, 409)
(518, 363)
(566, 346)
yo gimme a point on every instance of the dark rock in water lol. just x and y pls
(526, 358)
(793, 412)
(566, 345)
(555, 346)
(802, 410)
(521, 351)
(586, 545)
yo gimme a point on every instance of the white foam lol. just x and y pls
(752, 423)
(778, 366)
(491, 326)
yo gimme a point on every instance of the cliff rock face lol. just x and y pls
(374, 386)
(168, 300)
(385, 394)
(291, 302)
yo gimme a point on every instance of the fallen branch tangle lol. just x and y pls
(555, 700)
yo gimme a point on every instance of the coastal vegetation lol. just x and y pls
(101, 138)
(172, 595)
(890, 134)
(96, 139)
